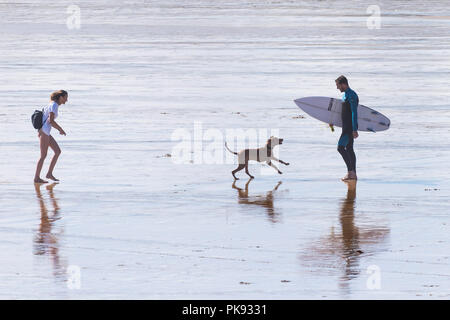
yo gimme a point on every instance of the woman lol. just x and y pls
(50, 114)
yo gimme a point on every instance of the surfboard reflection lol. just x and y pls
(46, 241)
(265, 200)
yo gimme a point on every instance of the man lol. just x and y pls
(349, 127)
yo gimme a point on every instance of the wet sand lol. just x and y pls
(163, 234)
(137, 225)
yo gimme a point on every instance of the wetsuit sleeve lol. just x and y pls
(353, 100)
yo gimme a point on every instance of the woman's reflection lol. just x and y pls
(46, 241)
(265, 201)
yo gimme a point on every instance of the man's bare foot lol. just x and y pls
(39, 181)
(351, 175)
(51, 177)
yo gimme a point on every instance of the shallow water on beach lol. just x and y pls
(129, 222)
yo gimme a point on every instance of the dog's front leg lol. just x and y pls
(280, 161)
(246, 171)
(273, 166)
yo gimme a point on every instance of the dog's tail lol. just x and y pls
(229, 149)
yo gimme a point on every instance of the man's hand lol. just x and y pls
(355, 134)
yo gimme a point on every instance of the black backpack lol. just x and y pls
(37, 119)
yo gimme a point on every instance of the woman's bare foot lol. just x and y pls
(39, 181)
(51, 177)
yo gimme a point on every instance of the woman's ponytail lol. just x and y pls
(58, 94)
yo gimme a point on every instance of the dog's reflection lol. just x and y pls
(265, 200)
(46, 240)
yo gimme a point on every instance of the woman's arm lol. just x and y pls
(55, 125)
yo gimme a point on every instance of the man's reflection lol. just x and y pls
(350, 232)
(265, 201)
(343, 250)
(46, 241)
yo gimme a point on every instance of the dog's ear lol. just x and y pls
(269, 142)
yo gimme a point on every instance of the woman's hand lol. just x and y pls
(61, 132)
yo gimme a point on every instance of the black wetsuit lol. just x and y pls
(349, 124)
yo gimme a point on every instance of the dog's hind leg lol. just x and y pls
(239, 168)
(273, 166)
(246, 171)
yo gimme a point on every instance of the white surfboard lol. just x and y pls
(329, 110)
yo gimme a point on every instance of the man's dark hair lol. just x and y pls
(342, 80)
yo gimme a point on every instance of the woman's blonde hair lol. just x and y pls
(58, 94)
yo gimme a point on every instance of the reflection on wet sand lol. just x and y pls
(46, 240)
(350, 233)
(344, 251)
(265, 201)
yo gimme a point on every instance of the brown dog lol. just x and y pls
(261, 154)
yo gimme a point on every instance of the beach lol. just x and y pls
(133, 217)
